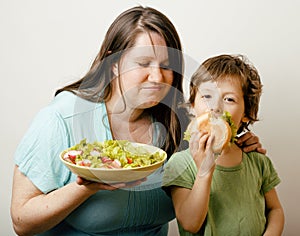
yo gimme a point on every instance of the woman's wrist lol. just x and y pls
(85, 189)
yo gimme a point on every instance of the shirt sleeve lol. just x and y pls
(180, 171)
(270, 175)
(37, 155)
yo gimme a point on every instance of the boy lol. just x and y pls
(233, 194)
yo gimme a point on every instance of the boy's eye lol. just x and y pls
(206, 96)
(228, 99)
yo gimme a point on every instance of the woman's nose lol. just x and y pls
(155, 74)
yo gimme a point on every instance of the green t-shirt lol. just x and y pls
(237, 204)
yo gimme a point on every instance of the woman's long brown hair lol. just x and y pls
(95, 85)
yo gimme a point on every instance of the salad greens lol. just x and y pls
(111, 154)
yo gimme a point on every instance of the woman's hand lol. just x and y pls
(201, 151)
(103, 186)
(250, 142)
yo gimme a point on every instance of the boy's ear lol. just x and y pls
(245, 119)
(115, 69)
(192, 110)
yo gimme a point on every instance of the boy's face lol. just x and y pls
(224, 95)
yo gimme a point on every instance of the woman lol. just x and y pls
(132, 92)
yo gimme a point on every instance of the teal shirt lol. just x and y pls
(142, 210)
(237, 204)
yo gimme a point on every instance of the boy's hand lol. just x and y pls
(201, 151)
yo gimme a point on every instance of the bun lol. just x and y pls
(217, 127)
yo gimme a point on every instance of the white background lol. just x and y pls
(45, 44)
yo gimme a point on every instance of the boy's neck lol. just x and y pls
(231, 156)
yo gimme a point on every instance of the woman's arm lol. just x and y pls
(34, 212)
(275, 214)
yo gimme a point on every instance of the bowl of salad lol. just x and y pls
(113, 161)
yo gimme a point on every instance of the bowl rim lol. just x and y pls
(120, 169)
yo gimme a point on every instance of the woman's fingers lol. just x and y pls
(82, 181)
(245, 138)
(254, 147)
(250, 142)
(96, 185)
(262, 150)
(106, 186)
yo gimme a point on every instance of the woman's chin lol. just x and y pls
(148, 104)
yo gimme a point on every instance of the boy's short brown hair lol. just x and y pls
(235, 67)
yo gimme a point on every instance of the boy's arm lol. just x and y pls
(275, 214)
(191, 205)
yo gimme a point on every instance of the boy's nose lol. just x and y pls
(216, 106)
(217, 110)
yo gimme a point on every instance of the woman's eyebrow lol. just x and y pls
(144, 58)
(150, 58)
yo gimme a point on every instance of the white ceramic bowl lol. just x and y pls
(116, 175)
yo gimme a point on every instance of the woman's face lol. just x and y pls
(144, 74)
(224, 95)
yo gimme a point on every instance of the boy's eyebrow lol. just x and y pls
(207, 90)
(233, 93)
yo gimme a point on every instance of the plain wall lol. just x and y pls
(46, 44)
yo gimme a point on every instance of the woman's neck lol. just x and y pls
(129, 124)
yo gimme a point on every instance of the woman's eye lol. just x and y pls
(165, 66)
(144, 64)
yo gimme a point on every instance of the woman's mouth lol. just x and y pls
(156, 88)
(153, 87)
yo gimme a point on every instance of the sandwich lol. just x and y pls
(221, 127)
